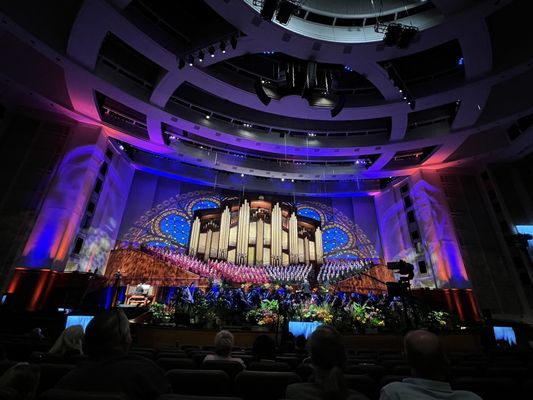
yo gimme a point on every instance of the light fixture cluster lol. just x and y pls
(348, 68)
(396, 34)
(247, 125)
(269, 52)
(211, 50)
(400, 85)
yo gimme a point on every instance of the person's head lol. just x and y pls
(425, 355)
(327, 350)
(223, 343)
(264, 347)
(22, 379)
(300, 342)
(108, 333)
(70, 341)
(329, 358)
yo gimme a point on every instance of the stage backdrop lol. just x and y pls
(159, 212)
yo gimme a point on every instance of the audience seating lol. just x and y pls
(199, 382)
(364, 384)
(272, 366)
(232, 368)
(192, 397)
(375, 371)
(176, 363)
(171, 354)
(261, 385)
(488, 388)
(292, 361)
(57, 394)
(51, 374)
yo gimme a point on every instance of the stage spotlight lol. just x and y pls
(223, 47)
(201, 56)
(285, 10)
(190, 61)
(339, 106)
(392, 34)
(211, 50)
(233, 42)
(260, 92)
(268, 9)
(406, 36)
(181, 63)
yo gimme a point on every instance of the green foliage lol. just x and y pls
(265, 315)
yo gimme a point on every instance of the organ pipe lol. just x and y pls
(195, 235)
(262, 243)
(223, 241)
(319, 249)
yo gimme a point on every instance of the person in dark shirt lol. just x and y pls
(109, 368)
(328, 358)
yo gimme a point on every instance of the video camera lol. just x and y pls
(405, 269)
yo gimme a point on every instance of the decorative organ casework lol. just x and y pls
(256, 232)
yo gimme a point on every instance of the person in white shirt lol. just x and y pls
(429, 367)
(223, 345)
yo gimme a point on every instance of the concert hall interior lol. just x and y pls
(364, 164)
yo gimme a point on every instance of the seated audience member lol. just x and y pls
(287, 343)
(19, 382)
(264, 348)
(69, 344)
(300, 344)
(328, 358)
(223, 345)
(429, 368)
(109, 368)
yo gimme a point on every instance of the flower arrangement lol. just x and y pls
(313, 312)
(365, 315)
(265, 315)
(436, 320)
(161, 313)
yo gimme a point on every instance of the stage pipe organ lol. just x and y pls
(256, 233)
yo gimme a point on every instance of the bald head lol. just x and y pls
(425, 355)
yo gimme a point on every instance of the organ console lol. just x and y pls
(256, 232)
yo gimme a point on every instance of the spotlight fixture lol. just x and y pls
(211, 50)
(268, 9)
(242, 175)
(207, 116)
(223, 47)
(285, 11)
(190, 60)
(406, 36)
(392, 34)
(396, 34)
(181, 63)
(260, 92)
(292, 180)
(201, 56)
(233, 42)
(283, 179)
